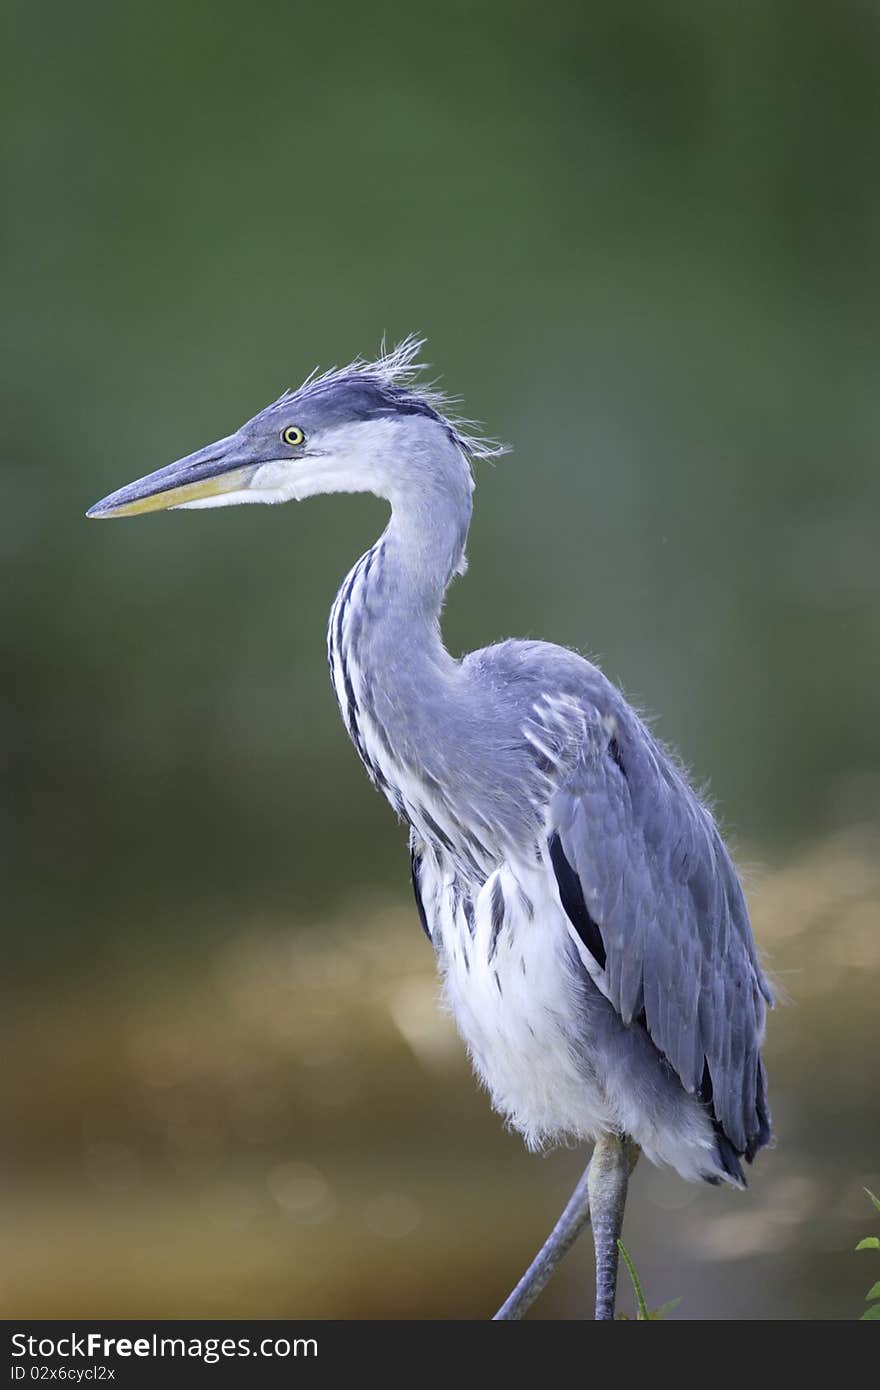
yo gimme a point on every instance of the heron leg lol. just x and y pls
(613, 1159)
(551, 1254)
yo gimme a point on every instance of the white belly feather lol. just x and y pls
(508, 985)
(516, 997)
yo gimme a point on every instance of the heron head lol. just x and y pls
(365, 428)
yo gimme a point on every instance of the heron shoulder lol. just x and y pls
(542, 668)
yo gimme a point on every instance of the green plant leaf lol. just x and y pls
(642, 1314)
(875, 1200)
(873, 1293)
(871, 1314)
(658, 1314)
(869, 1243)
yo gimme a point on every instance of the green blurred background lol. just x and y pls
(642, 241)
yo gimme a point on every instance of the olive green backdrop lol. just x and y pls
(642, 241)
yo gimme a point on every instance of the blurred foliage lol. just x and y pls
(642, 241)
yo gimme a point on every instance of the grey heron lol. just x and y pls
(590, 929)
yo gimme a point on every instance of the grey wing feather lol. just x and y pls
(658, 884)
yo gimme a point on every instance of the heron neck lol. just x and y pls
(392, 675)
(391, 672)
(422, 550)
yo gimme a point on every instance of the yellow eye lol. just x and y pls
(293, 436)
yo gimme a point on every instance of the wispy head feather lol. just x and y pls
(398, 373)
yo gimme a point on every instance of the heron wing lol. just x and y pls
(660, 920)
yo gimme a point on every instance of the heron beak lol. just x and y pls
(209, 472)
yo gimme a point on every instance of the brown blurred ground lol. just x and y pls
(292, 1130)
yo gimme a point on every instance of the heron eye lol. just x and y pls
(293, 436)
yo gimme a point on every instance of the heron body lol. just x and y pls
(543, 769)
(589, 926)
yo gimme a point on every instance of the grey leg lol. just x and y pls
(557, 1245)
(613, 1159)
